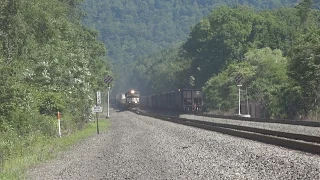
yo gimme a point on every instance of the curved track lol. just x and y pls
(306, 143)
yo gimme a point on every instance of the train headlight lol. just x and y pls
(132, 91)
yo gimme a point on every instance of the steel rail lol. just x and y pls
(283, 139)
(279, 121)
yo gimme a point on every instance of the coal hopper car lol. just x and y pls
(186, 100)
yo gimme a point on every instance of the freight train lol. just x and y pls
(187, 100)
(129, 100)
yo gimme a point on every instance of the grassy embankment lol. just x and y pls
(34, 149)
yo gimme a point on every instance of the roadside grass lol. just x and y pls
(37, 149)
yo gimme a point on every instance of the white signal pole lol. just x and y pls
(59, 127)
(108, 103)
(239, 85)
(108, 80)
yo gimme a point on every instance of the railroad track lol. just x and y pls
(279, 121)
(306, 143)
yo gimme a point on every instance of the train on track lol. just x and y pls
(183, 100)
(129, 100)
(186, 100)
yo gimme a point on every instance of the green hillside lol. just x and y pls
(159, 46)
(131, 29)
(276, 51)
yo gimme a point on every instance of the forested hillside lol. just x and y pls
(131, 29)
(49, 62)
(272, 43)
(276, 51)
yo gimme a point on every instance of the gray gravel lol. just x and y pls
(307, 130)
(137, 147)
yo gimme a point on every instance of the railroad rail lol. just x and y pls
(306, 143)
(280, 121)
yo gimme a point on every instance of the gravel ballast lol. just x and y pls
(299, 129)
(138, 147)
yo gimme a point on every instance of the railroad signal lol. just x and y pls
(108, 80)
(238, 78)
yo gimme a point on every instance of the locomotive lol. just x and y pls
(128, 100)
(186, 100)
(132, 99)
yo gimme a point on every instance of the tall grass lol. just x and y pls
(17, 154)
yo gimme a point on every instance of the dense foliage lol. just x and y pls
(265, 74)
(293, 30)
(275, 45)
(275, 50)
(48, 62)
(305, 70)
(134, 29)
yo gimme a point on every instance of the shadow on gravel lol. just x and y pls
(120, 110)
(164, 112)
(153, 111)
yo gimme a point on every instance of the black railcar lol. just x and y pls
(189, 100)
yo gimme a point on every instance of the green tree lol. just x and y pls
(134, 29)
(304, 8)
(304, 68)
(264, 72)
(49, 62)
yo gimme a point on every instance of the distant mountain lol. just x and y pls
(133, 28)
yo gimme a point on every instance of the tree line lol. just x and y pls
(277, 52)
(49, 62)
(134, 29)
